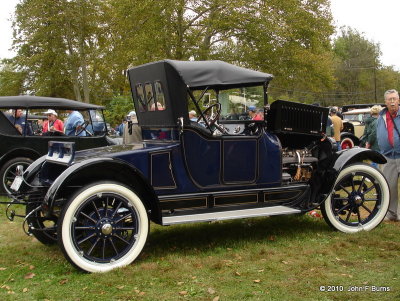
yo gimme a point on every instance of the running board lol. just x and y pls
(225, 215)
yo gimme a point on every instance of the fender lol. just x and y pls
(100, 169)
(356, 154)
(19, 152)
(339, 161)
(325, 177)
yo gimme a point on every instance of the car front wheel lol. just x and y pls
(347, 143)
(359, 199)
(103, 227)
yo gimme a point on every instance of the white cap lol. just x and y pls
(131, 114)
(50, 111)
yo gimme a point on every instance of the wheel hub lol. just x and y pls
(106, 229)
(357, 200)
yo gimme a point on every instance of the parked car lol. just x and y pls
(98, 203)
(353, 127)
(351, 107)
(22, 148)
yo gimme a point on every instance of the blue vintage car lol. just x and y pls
(240, 157)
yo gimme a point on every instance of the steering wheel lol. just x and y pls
(82, 128)
(253, 129)
(211, 120)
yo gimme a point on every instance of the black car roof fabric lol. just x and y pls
(26, 101)
(199, 74)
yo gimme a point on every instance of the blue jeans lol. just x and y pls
(339, 147)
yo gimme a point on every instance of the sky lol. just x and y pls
(376, 20)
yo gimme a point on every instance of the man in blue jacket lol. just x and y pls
(389, 144)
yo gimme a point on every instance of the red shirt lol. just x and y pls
(58, 125)
(390, 128)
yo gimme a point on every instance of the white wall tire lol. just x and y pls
(359, 200)
(95, 215)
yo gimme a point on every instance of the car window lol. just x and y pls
(244, 103)
(160, 98)
(148, 89)
(98, 124)
(141, 99)
(7, 125)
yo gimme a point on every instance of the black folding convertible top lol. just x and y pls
(201, 74)
(26, 101)
(177, 77)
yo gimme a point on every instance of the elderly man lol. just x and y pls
(389, 144)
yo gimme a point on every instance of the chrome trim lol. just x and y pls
(225, 215)
(232, 192)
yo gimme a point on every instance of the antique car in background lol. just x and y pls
(353, 127)
(22, 148)
(97, 203)
(354, 116)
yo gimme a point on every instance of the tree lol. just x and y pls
(57, 43)
(11, 80)
(357, 61)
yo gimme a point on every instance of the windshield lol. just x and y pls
(356, 117)
(244, 103)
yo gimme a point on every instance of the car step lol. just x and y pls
(225, 215)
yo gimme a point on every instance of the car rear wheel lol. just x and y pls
(347, 143)
(7, 172)
(103, 227)
(358, 201)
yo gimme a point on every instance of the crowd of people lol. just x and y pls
(51, 125)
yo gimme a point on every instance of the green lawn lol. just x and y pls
(275, 258)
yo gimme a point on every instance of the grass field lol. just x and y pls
(275, 258)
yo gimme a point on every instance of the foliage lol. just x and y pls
(117, 109)
(74, 48)
(57, 45)
(11, 81)
(357, 62)
(81, 49)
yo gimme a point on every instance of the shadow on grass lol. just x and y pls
(211, 236)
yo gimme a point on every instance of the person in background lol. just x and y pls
(370, 129)
(337, 127)
(132, 130)
(53, 124)
(120, 128)
(253, 114)
(74, 123)
(329, 127)
(192, 116)
(17, 118)
(160, 107)
(388, 135)
(338, 112)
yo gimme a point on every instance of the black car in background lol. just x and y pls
(23, 147)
